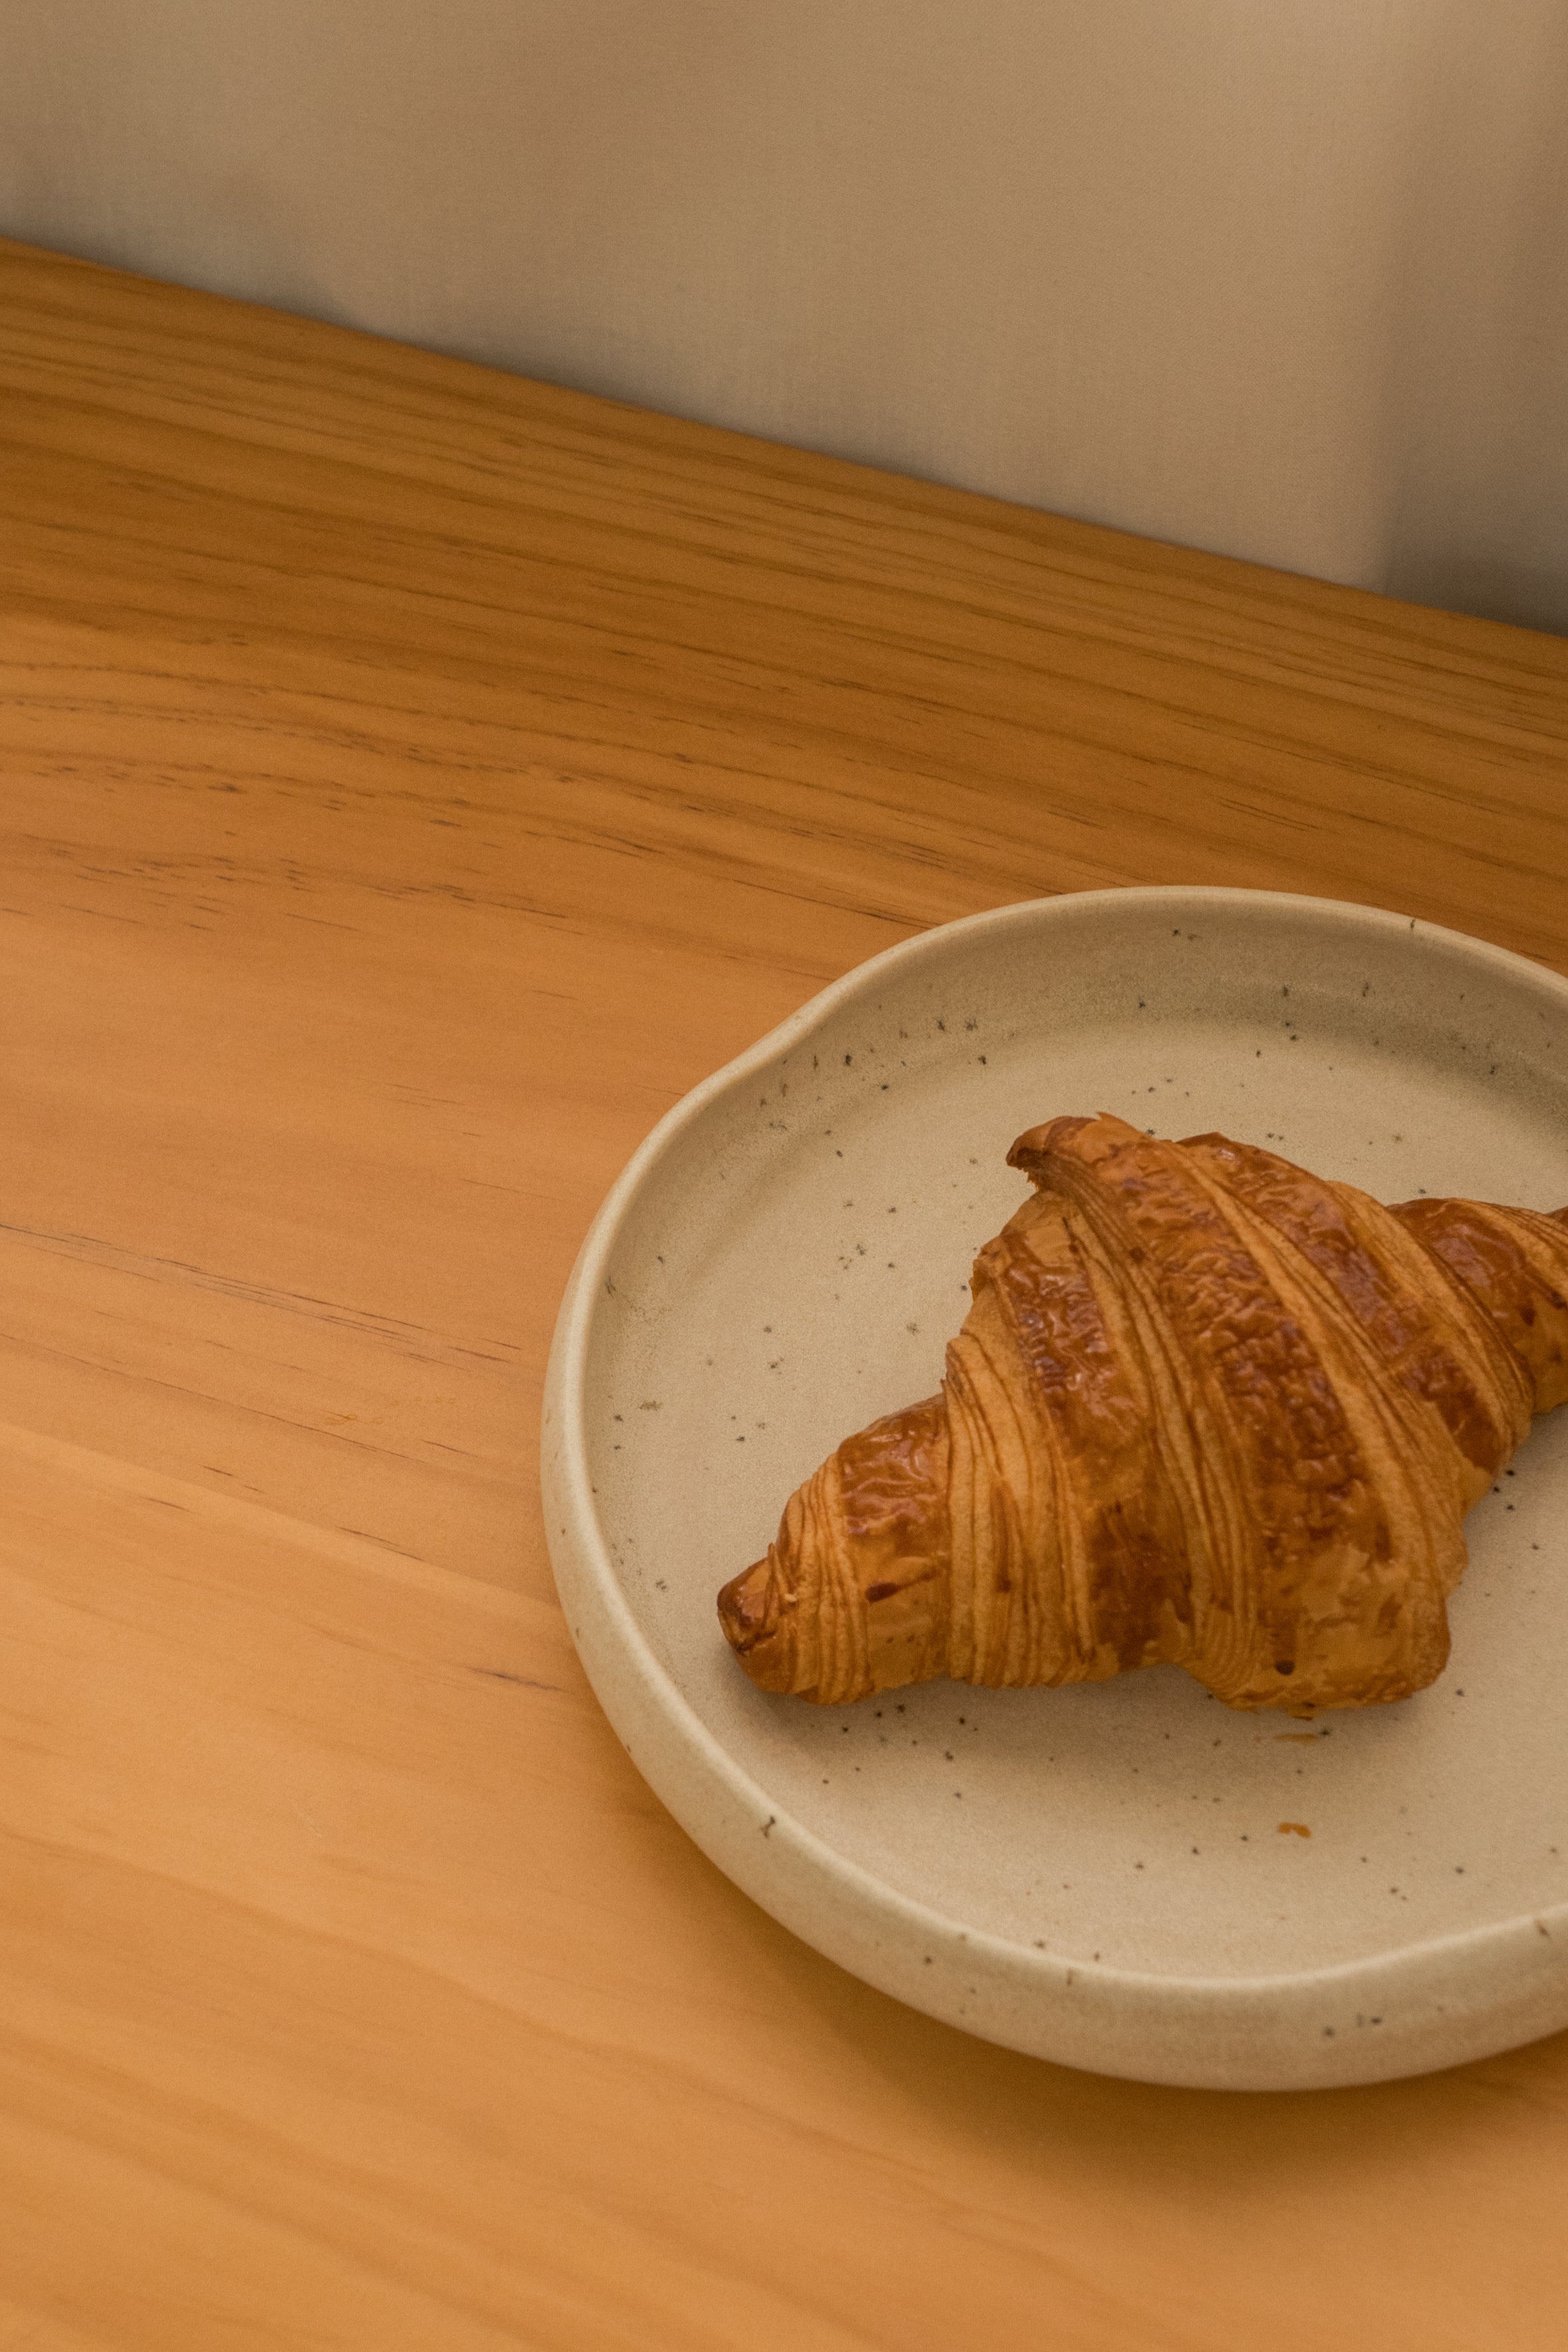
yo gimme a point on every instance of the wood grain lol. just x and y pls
(414, 779)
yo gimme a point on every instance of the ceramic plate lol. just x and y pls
(1107, 1875)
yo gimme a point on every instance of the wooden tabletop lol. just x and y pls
(413, 781)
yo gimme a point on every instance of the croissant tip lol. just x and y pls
(1026, 1153)
(744, 1607)
(755, 1616)
(1035, 1145)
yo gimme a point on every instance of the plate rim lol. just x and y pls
(671, 1732)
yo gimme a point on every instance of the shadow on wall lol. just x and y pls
(1279, 281)
(1479, 383)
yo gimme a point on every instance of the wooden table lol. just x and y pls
(415, 779)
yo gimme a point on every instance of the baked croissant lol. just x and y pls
(1205, 1408)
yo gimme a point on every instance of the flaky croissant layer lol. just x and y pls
(1205, 1408)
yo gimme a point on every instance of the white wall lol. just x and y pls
(1287, 278)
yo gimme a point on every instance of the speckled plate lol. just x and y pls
(1124, 1877)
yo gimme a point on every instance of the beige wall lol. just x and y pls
(1287, 278)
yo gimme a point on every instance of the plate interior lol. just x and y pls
(792, 1267)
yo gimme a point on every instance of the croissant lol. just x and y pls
(1205, 1409)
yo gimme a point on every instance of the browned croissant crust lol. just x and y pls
(1205, 1408)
